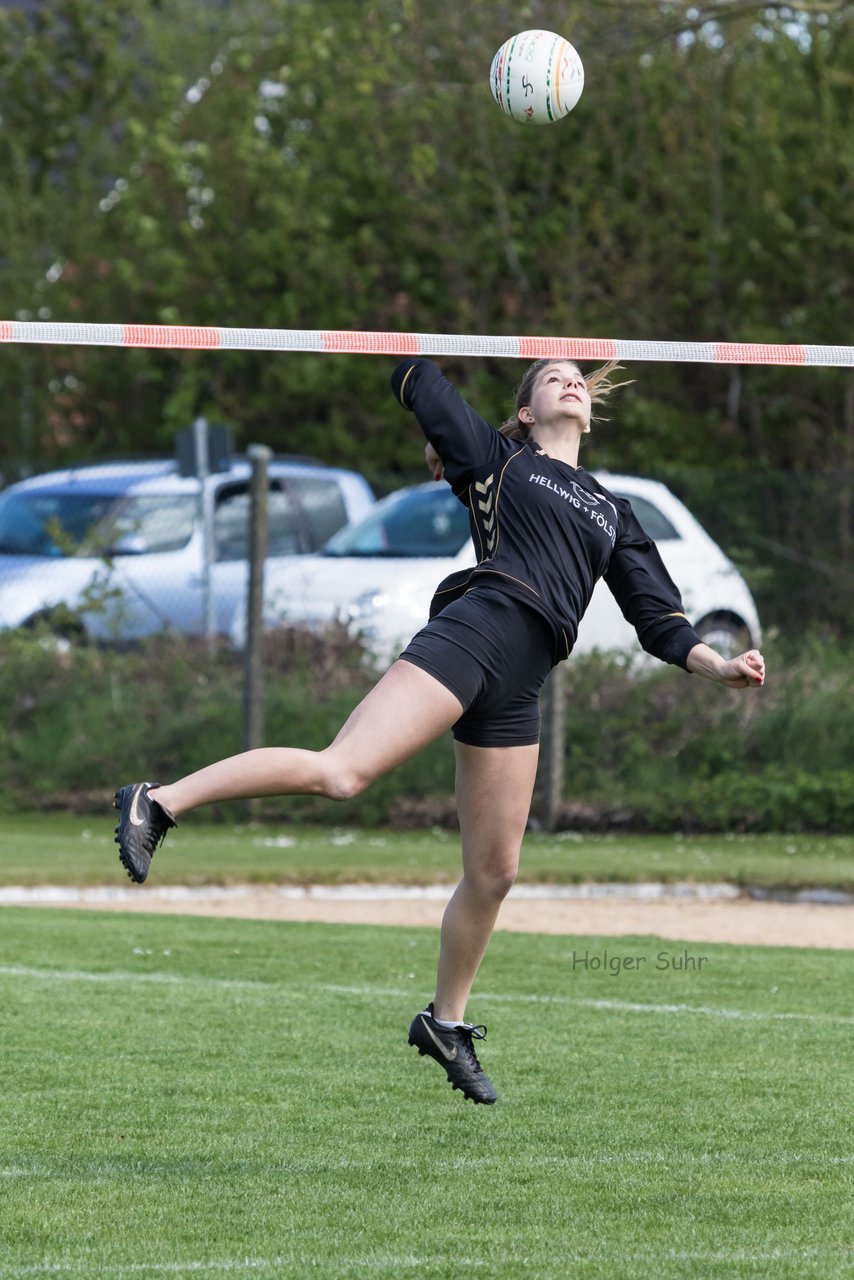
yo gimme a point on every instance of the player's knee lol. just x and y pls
(495, 881)
(348, 785)
(504, 880)
(340, 780)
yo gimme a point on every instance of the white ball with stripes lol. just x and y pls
(536, 77)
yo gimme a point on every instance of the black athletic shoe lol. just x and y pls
(142, 827)
(453, 1049)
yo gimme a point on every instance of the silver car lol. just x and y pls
(117, 551)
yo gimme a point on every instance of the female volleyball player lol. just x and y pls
(545, 531)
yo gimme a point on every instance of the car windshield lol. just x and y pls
(413, 522)
(48, 524)
(653, 522)
(69, 524)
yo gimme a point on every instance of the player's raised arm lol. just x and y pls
(460, 436)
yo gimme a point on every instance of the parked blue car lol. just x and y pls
(117, 551)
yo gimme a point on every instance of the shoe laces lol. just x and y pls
(152, 839)
(470, 1033)
(158, 824)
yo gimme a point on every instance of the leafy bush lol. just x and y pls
(658, 750)
(81, 719)
(651, 750)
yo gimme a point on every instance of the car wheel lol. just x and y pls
(59, 626)
(725, 633)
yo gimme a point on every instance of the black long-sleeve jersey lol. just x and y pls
(544, 531)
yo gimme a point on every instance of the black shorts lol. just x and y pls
(494, 654)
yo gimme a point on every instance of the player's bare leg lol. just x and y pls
(494, 789)
(405, 711)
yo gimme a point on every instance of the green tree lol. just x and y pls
(298, 165)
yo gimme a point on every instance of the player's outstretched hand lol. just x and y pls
(747, 671)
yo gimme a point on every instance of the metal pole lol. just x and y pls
(203, 470)
(253, 693)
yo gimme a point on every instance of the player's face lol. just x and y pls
(560, 394)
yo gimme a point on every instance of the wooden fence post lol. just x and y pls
(548, 794)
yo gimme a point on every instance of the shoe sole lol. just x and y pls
(422, 1053)
(117, 804)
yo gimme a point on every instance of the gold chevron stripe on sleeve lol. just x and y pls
(403, 385)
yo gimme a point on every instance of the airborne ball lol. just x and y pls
(536, 77)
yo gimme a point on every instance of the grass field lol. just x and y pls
(191, 1097)
(57, 849)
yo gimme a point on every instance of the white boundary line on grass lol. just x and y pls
(398, 1262)
(271, 989)
(300, 1168)
(618, 1006)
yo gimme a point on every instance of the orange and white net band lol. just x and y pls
(203, 338)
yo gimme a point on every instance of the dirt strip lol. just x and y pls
(741, 920)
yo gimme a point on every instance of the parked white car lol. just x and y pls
(379, 574)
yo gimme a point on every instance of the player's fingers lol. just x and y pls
(434, 462)
(753, 661)
(753, 669)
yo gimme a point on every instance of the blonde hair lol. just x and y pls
(598, 382)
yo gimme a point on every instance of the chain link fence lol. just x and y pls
(791, 533)
(116, 553)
